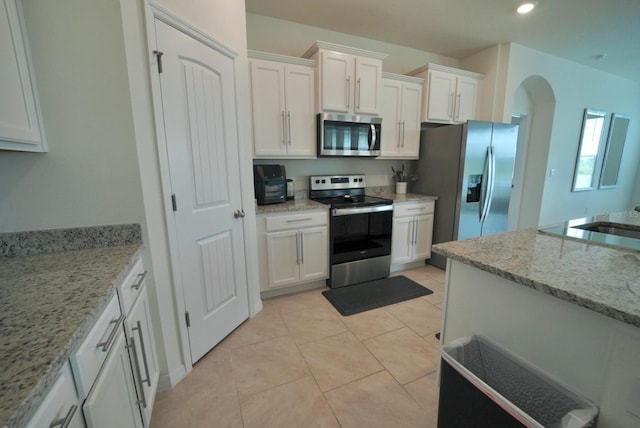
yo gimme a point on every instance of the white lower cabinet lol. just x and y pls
(112, 400)
(293, 249)
(412, 231)
(143, 356)
(61, 406)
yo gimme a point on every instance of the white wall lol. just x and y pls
(290, 38)
(90, 174)
(575, 88)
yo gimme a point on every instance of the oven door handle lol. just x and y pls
(361, 210)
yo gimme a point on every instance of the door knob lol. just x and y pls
(238, 214)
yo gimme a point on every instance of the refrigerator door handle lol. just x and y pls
(489, 173)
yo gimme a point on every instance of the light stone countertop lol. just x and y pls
(308, 204)
(48, 303)
(602, 279)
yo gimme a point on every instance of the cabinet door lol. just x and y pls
(390, 109)
(410, 116)
(402, 239)
(283, 258)
(466, 97)
(300, 103)
(337, 82)
(60, 404)
(367, 86)
(19, 116)
(112, 400)
(440, 97)
(314, 254)
(268, 104)
(146, 370)
(423, 234)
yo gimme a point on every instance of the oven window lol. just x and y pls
(360, 236)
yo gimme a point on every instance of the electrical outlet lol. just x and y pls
(552, 172)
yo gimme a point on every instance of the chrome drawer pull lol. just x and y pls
(144, 352)
(66, 421)
(138, 283)
(299, 219)
(107, 343)
(138, 375)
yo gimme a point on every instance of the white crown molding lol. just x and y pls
(267, 56)
(402, 78)
(343, 49)
(445, 69)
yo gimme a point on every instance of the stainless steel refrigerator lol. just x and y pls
(469, 167)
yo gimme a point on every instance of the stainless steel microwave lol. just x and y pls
(345, 135)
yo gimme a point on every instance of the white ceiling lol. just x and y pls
(578, 30)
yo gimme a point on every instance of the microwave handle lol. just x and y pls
(373, 136)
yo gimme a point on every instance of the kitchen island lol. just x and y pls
(568, 307)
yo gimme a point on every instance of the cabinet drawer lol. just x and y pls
(296, 221)
(413, 208)
(61, 404)
(131, 286)
(88, 359)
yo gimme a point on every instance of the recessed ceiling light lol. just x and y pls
(526, 7)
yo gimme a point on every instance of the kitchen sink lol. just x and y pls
(611, 229)
(599, 232)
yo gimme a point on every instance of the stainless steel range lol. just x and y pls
(360, 229)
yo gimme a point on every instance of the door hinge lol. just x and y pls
(187, 319)
(174, 204)
(158, 55)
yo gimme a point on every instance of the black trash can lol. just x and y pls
(484, 386)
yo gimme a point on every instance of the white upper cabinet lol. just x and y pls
(450, 94)
(283, 105)
(20, 121)
(400, 111)
(349, 79)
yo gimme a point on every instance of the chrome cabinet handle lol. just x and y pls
(138, 283)
(458, 106)
(358, 94)
(298, 219)
(403, 132)
(144, 352)
(348, 91)
(297, 248)
(301, 248)
(284, 129)
(143, 399)
(107, 343)
(399, 135)
(289, 125)
(66, 421)
(452, 106)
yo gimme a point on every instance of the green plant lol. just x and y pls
(399, 175)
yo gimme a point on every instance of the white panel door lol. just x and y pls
(147, 372)
(301, 118)
(284, 258)
(424, 237)
(390, 111)
(411, 99)
(112, 399)
(313, 253)
(268, 103)
(368, 86)
(336, 74)
(200, 122)
(466, 93)
(440, 95)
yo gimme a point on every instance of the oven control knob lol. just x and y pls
(355, 180)
(317, 181)
(324, 181)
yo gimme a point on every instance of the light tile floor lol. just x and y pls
(299, 363)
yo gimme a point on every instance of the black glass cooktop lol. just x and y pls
(353, 200)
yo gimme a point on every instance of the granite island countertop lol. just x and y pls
(602, 279)
(48, 303)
